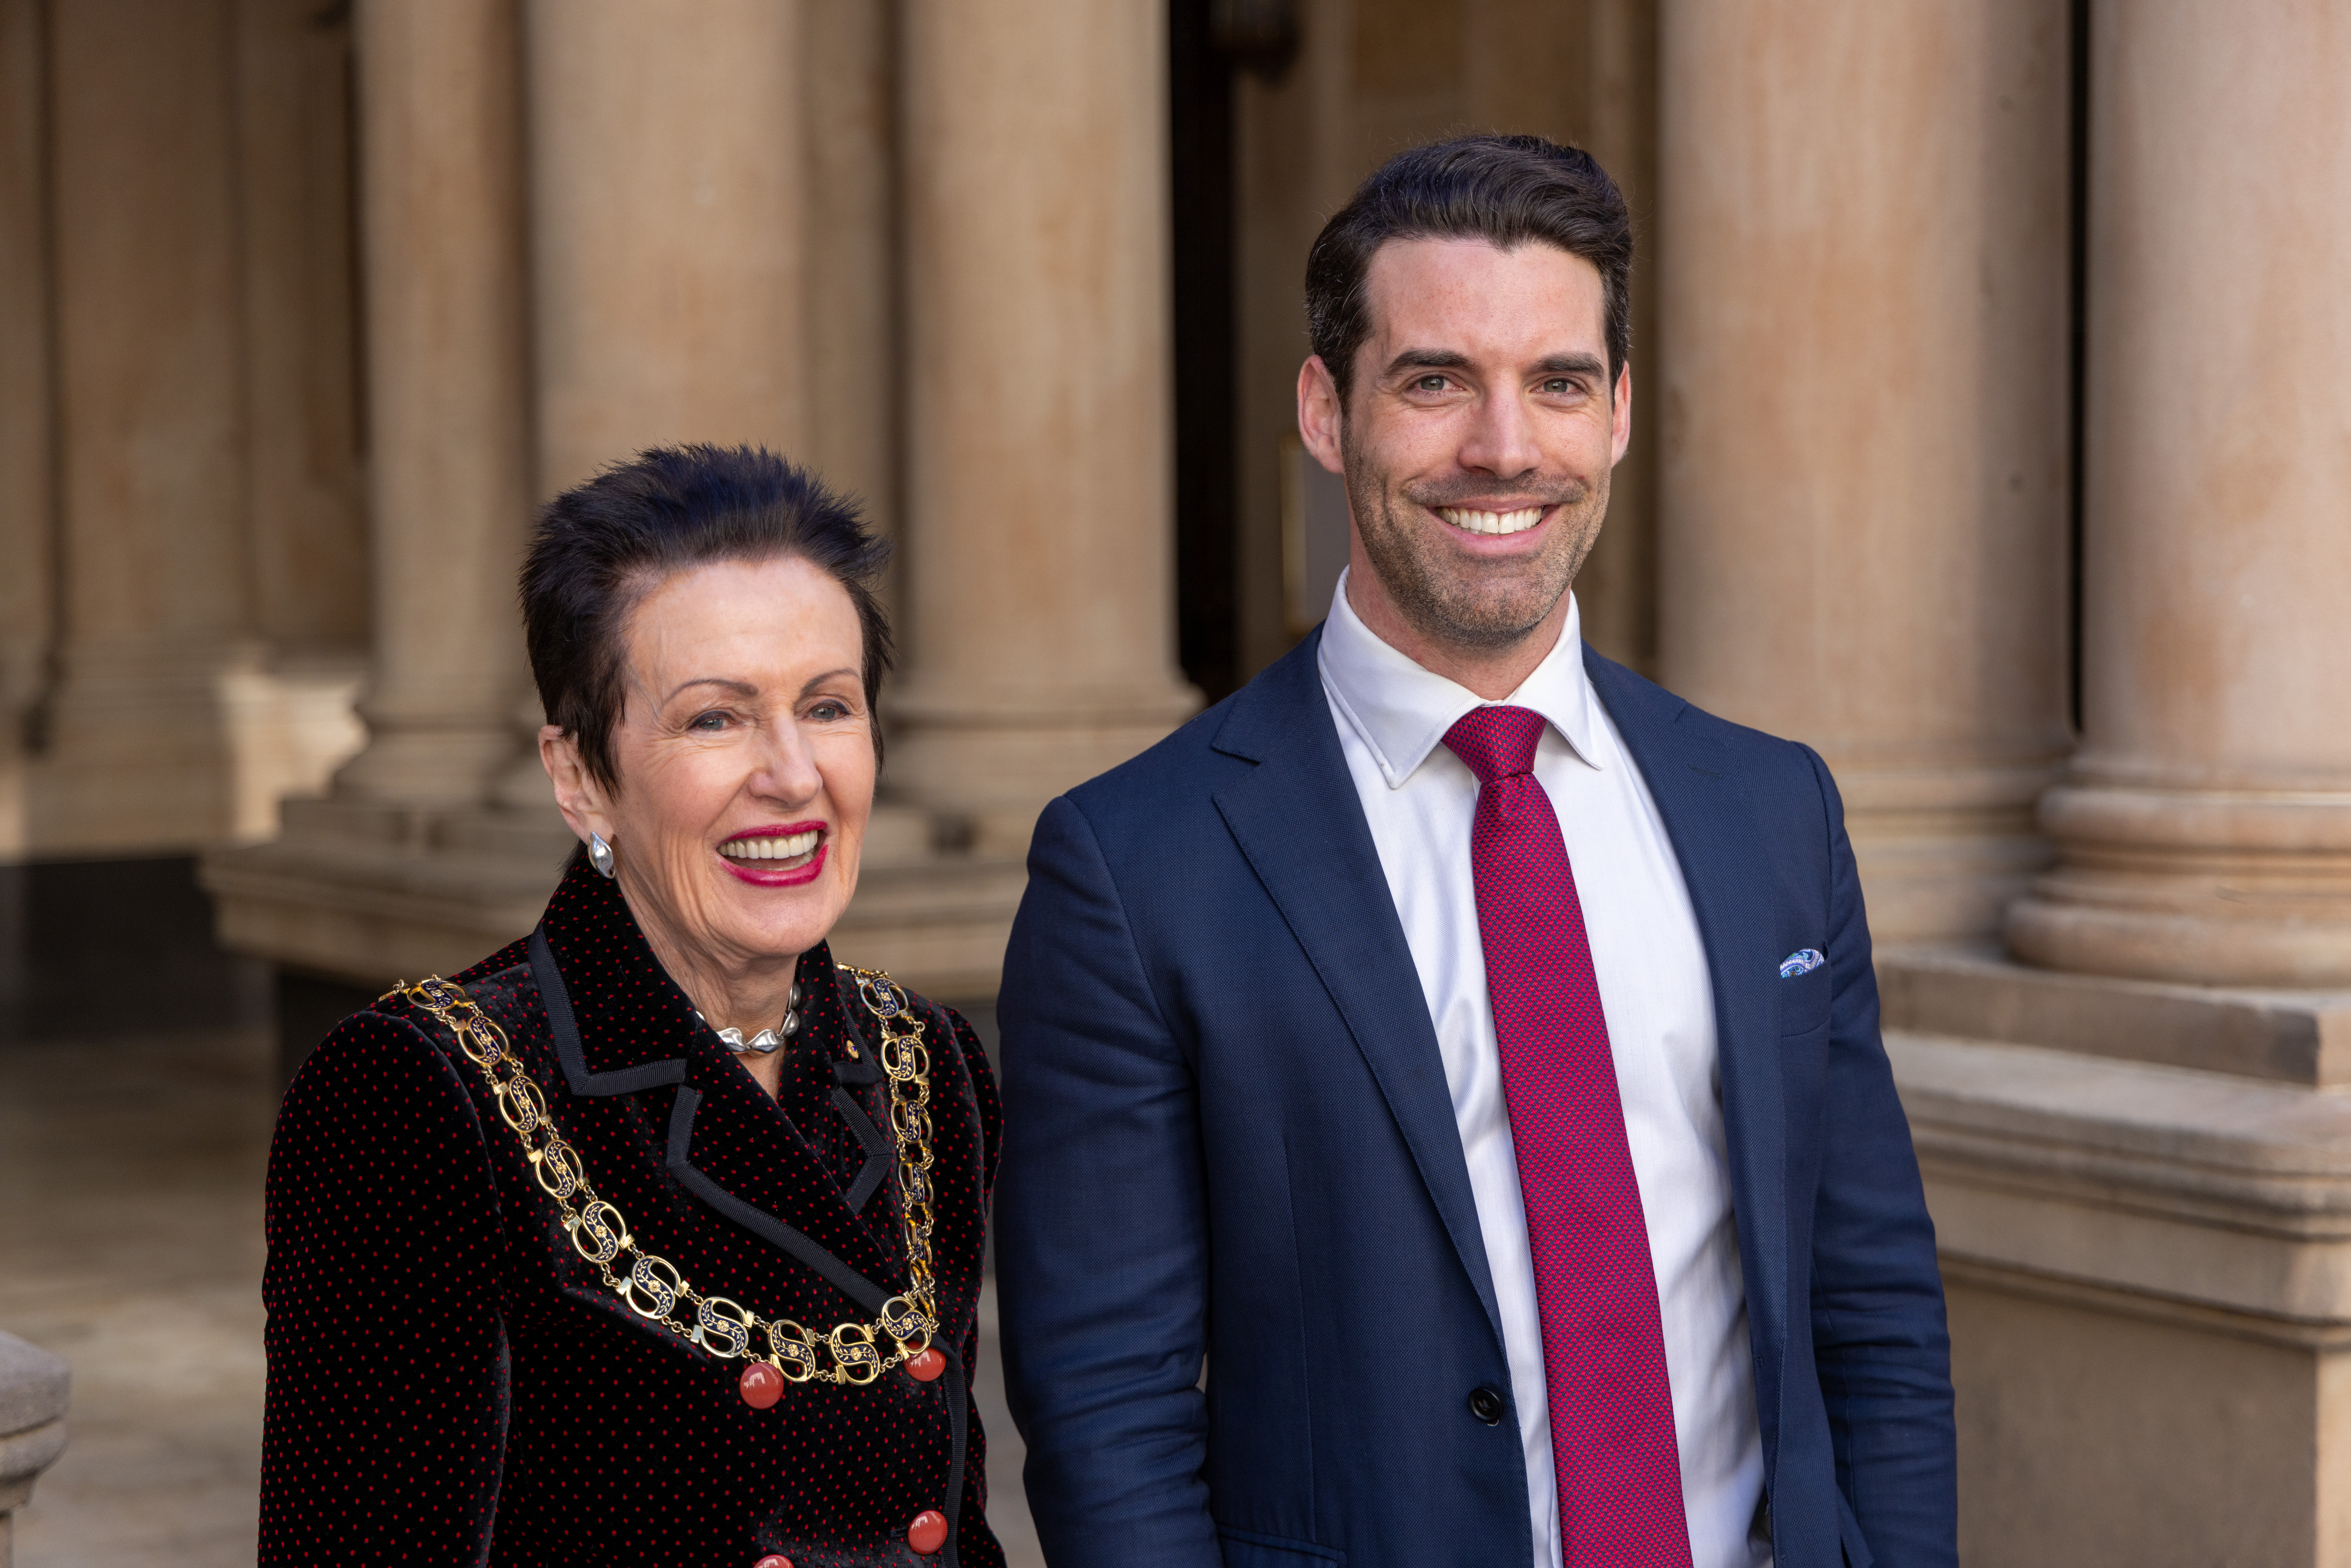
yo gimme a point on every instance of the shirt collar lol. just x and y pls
(1402, 711)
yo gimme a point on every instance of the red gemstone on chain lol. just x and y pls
(773, 1560)
(925, 1365)
(928, 1532)
(760, 1384)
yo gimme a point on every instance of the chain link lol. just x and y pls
(650, 1285)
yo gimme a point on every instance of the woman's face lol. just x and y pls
(745, 753)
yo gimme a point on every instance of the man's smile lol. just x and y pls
(1471, 519)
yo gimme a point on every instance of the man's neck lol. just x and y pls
(1492, 673)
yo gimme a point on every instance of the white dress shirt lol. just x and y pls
(1392, 717)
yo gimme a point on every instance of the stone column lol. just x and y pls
(1039, 566)
(149, 402)
(666, 186)
(2205, 829)
(1860, 396)
(852, 254)
(296, 187)
(667, 189)
(449, 448)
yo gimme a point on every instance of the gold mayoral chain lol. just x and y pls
(650, 1285)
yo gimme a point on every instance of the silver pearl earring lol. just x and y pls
(599, 854)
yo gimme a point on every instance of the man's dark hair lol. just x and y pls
(1507, 190)
(600, 548)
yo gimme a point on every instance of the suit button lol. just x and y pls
(1487, 1406)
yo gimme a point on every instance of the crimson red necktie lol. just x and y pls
(1611, 1409)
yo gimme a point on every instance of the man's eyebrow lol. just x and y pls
(739, 688)
(1578, 364)
(1427, 359)
(1570, 364)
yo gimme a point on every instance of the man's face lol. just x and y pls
(1477, 437)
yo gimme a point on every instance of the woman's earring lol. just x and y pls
(599, 853)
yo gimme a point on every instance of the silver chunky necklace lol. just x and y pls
(767, 1040)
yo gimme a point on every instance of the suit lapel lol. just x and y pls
(1298, 821)
(1714, 835)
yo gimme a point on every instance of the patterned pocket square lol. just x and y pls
(1803, 961)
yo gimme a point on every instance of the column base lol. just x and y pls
(1943, 851)
(2283, 1036)
(993, 768)
(368, 894)
(2205, 888)
(445, 766)
(178, 748)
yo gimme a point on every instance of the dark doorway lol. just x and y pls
(1201, 125)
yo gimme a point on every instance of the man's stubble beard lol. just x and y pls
(1481, 611)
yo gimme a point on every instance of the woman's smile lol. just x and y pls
(775, 857)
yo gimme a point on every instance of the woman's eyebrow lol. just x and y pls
(816, 681)
(739, 688)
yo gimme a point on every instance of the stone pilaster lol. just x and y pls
(1039, 571)
(1861, 394)
(2204, 830)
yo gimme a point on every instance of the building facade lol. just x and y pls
(1992, 435)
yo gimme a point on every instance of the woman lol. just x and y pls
(654, 1238)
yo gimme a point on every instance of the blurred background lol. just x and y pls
(1992, 435)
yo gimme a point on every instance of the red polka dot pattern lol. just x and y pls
(449, 1381)
(1611, 1409)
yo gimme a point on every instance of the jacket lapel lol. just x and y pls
(622, 1027)
(1297, 822)
(1714, 836)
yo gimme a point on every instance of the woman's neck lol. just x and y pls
(750, 995)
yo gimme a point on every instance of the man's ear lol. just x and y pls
(1620, 415)
(577, 793)
(1319, 412)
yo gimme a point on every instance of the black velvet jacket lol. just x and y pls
(450, 1381)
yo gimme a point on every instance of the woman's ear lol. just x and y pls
(576, 794)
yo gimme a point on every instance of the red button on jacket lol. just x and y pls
(928, 1532)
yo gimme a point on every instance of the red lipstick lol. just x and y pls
(770, 874)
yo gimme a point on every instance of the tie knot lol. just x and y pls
(1496, 742)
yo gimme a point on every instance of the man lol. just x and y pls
(1469, 1048)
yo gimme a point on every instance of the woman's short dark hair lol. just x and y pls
(600, 548)
(1507, 190)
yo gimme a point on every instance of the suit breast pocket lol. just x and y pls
(1805, 1000)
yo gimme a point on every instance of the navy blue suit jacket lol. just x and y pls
(1229, 1137)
